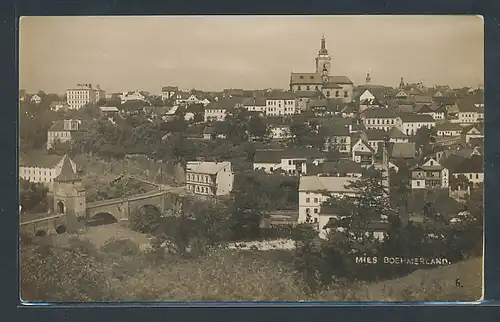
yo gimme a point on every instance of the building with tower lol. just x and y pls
(335, 87)
(69, 194)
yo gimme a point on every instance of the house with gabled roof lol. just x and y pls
(363, 153)
(472, 131)
(472, 168)
(36, 99)
(401, 95)
(396, 136)
(62, 131)
(132, 96)
(429, 175)
(437, 112)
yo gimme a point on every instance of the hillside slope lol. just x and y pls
(437, 284)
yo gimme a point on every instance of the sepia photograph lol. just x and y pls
(251, 158)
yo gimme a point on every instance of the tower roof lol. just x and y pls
(67, 174)
(323, 50)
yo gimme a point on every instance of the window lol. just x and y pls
(308, 200)
(307, 87)
(311, 77)
(345, 94)
(301, 77)
(289, 162)
(316, 87)
(315, 211)
(308, 210)
(418, 183)
(336, 93)
(315, 199)
(328, 93)
(432, 162)
(477, 175)
(315, 219)
(298, 87)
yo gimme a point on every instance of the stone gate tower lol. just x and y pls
(69, 194)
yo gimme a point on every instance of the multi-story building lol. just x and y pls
(429, 175)
(281, 104)
(81, 95)
(255, 104)
(438, 112)
(337, 138)
(290, 160)
(209, 179)
(42, 168)
(100, 94)
(469, 113)
(315, 190)
(340, 87)
(410, 123)
(217, 111)
(169, 92)
(62, 131)
(380, 118)
(448, 129)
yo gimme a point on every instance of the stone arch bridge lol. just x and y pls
(121, 208)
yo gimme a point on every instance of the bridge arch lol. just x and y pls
(61, 229)
(102, 218)
(40, 233)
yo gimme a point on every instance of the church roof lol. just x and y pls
(315, 78)
(67, 174)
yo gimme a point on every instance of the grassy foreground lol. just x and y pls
(129, 274)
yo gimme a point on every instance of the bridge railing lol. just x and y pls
(42, 219)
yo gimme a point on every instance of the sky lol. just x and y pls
(252, 52)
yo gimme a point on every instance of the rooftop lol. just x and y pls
(209, 167)
(330, 184)
(416, 118)
(379, 112)
(40, 160)
(67, 174)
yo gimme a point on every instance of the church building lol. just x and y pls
(336, 87)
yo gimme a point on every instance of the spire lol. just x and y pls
(323, 50)
(402, 83)
(67, 174)
(368, 79)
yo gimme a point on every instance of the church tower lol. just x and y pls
(69, 194)
(323, 59)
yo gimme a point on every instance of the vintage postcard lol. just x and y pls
(251, 158)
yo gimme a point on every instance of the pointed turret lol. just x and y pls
(323, 50)
(67, 174)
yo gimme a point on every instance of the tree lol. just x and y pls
(423, 139)
(33, 196)
(144, 219)
(258, 128)
(460, 182)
